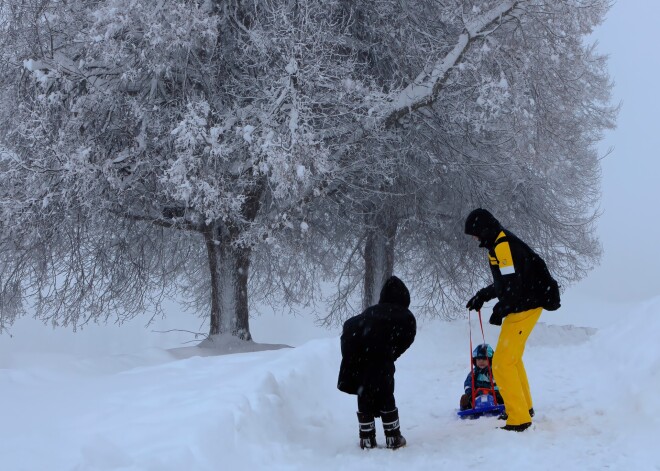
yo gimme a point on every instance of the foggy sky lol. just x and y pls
(629, 227)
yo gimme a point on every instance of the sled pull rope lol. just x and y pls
(474, 392)
(490, 369)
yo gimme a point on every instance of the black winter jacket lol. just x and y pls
(521, 280)
(372, 341)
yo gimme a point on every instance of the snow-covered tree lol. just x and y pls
(182, 147)
(152, 146)
(506, 114)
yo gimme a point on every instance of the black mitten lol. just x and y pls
(477, 301)
(498, 315)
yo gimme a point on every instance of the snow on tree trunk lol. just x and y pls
(378, 257)
(229, 266)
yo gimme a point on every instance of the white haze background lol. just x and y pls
(116, 398)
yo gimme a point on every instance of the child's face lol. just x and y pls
(482, 362)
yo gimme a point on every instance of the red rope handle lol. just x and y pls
(472, 366)
(490, 370)
(474, 392)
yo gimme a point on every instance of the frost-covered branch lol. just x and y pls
(424, 90)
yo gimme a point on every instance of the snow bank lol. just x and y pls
(280, 409)
(625, 360)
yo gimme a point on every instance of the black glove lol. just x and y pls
(498, 315)
(477, 301)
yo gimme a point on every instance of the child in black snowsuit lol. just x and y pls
(370, 344)
(481, 358)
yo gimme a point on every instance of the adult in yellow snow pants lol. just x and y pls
(508, 367)
(523, 287)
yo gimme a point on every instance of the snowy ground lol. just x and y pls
(77, 406)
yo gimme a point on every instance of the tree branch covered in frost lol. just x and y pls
(185, 147)
(513, 128)
(424, 90)
(207, 118)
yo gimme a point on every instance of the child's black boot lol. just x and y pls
(392, 431)
(367, 430)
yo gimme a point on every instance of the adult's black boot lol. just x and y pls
(517, 428)
(504, 415)
(392, 430)
(367, 430)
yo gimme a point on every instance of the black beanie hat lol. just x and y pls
(395, 292)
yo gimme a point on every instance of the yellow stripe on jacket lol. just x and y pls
(503, 256)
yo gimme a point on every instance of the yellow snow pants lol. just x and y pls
(508, 368)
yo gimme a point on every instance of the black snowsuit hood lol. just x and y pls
(394, 291)
(482, 224)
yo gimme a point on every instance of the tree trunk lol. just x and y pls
(378, 256)
(229, 264)
(229, 267)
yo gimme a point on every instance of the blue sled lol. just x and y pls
(484, 405)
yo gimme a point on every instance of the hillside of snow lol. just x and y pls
(164, 409)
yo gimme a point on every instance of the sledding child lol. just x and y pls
(370, 344)
(481, 368)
